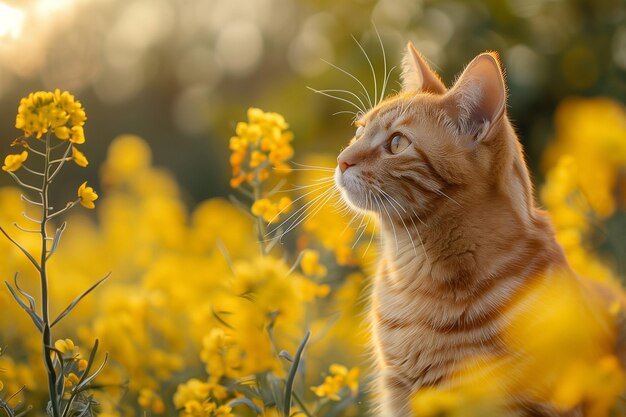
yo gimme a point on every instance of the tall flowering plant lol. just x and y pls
(53, 126)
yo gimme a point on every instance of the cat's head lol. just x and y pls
(428, 147)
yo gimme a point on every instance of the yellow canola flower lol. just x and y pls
(257, 158)
(270, 211)
(149, 400)
(310, 264)
(14, 162)
(79, 158)
(260, 143)
(222, 357)
(71, 380)
(340, 377)
(192, 398)
(66, 346)
(44, 110)
(87, 196)
(77, 135)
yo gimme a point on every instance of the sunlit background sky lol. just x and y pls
(180, 73)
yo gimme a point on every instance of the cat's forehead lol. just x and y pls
(390, 110)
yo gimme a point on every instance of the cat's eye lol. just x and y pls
(359, 131)
(398, 144)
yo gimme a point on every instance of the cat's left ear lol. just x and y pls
(417, 75)
(478, 99)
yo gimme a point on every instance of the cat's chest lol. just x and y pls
(425, 337)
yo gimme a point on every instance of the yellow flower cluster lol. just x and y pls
(45, 110)
(340, 377)
(213, 326)
(310, 264)
(151, 401)
(58, 112)
(221, 355)
(261, 144)
(565, 359)
(194, 306)
(270, 211)
(193, 398)
(582, 187)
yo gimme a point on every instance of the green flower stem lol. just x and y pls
(64, 209)
(28, 200)
(260, 223)
(32, 171)
(45, 309)
(19, 181)
(61, 162)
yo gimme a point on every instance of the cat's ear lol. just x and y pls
(417, 75)
(478, 98)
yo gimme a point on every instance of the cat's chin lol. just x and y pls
(352, 191)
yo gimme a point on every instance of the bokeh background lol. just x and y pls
(182, 73)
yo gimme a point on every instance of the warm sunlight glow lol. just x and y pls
(11, 21)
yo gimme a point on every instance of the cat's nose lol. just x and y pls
(343, 165)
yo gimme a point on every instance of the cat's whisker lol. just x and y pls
(418, 217)
(448, 197)
(313, 166)
(369, 99)
(361, 223)
(390, 197)
(324, 93)
(341, 207)
(356, 214)
(362, 106)
(369, 61)
(408, 232)
(393, 227)
(304, 187)
(302, 210)
(353, 113)
(307, 169)
(380, 220)
(386, 74)
(320, 188)
(307, 215)
(414, 225)
(407, 106)
(417, 230)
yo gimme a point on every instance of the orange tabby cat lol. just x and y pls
(473, 294)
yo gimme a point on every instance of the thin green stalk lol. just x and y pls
(260, 223)
(45, 309)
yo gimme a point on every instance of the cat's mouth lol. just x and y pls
(353, 189)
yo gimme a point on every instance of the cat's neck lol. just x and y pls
(465, 243)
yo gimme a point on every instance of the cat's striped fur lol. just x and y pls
(465, 247)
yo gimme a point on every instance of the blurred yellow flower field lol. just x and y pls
(255, 305)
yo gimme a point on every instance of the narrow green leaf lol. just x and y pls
(93, 376)
(31, 300)
(247, 402)
(292, 374)
(221, 320)
(24, 251)
(34, 317)
(77, 299)
(285, 355)
(56, 239)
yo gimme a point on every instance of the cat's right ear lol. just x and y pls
(417, 75)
